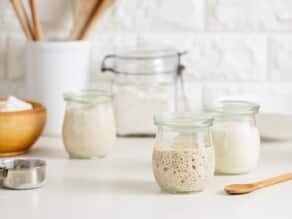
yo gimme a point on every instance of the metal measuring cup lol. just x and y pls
(22, 173)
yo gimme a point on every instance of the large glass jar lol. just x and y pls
(183, 156)
(145, 83)
(89, 126)
(236, 137)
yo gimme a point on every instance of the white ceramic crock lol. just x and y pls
(53, 68)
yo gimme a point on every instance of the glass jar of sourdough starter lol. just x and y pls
(236, 137)
(183, 156)
(89, 126)
(146, 82)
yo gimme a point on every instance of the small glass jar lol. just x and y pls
(236, 137)
(145, 83)
(89, 126)
(183, 156)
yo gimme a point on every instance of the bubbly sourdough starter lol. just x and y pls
(183, 170)
(89, 130)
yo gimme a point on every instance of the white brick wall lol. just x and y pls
(249, 15)
(236, 47)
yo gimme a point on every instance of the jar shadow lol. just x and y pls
(41, 151)
(106, 186)
(222, 193)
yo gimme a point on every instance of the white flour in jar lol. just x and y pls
(237, 147)
(183, 169)
(135, 110)
(89, 130)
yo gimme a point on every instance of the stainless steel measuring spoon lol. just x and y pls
(22, 173)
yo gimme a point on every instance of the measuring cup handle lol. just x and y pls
(3, 172)
(104, 66)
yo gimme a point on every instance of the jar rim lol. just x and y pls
(88, 96)
(144, 61)
(234, 107)
(137, 54)
(183, 119)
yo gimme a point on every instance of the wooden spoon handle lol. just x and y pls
(102, 6)
(22, 18)
(84, 11)
(273, 180)
(39, 36)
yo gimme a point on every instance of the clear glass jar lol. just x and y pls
(236, 137)
(183, 155)
(89, 126)
(145, 83)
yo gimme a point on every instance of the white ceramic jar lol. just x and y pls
(236, 137)
(89, 126)
(52, 68)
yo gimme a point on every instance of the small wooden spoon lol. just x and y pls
(237, 189)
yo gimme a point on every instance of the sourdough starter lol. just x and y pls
(89, 130)
(183, 170)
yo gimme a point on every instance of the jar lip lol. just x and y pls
(88, 96)
(183, 119)
(234, 107)
(146, 53)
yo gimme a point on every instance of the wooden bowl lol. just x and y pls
(20, 130)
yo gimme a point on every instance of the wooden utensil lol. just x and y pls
(22, 18)
(102, 6)
(84, 11)
(237, 189)
(39, 36)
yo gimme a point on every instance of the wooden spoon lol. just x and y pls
(23, 18)
(38, 32)
(237, 189)
(101, 8)
(84, 11)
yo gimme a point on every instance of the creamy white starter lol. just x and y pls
(237, 146)
(89, 130)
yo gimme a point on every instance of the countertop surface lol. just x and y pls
(122, 186)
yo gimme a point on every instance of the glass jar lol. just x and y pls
(183, 156)
(236, 137)
(89, 126)
(145, 83)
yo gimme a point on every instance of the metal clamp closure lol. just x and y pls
(104, 66)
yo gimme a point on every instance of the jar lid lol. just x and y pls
(183, 120)
(234, 107)
(88, 96)
(143, 61)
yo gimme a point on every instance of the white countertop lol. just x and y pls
(122, 186)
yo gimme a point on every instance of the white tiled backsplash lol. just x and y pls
(236, 47)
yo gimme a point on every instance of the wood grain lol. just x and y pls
(101, 8)
(19, 130)
(236, 189)
(84, 11)
(273, 180)
(38, 32)
(23, 18)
